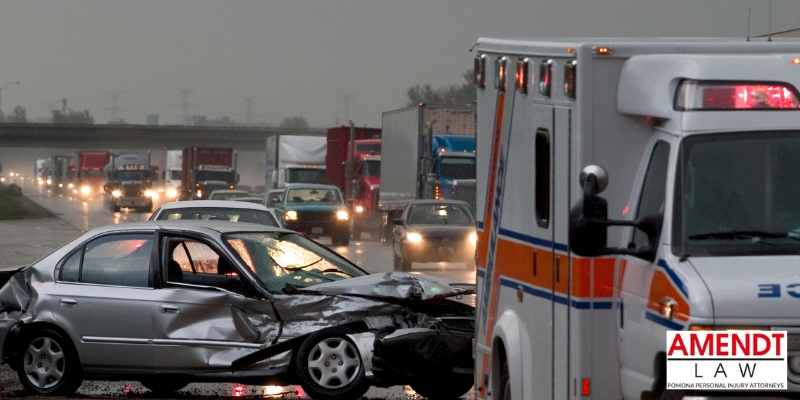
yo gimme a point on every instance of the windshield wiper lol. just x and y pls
(299, 268)
(743, 235)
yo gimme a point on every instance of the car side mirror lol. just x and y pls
(397, 221)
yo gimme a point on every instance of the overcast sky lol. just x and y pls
(301, 57)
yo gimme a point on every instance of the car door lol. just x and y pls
(105, 295)
(207, 315)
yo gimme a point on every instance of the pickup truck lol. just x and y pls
(316, 210)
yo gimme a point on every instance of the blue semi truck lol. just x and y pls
(428, 153)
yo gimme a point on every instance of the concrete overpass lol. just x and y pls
(71, 136)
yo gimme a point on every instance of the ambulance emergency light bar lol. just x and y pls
(693, 95)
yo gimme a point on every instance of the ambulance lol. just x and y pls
(626, 188)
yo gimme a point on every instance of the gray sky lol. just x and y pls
(300, 57)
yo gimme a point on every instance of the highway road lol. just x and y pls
(375, 257)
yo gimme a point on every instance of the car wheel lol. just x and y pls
(344, 239)
(432, 387)
(116, 209)
(158, 384)
(329, 366)
(49, 363)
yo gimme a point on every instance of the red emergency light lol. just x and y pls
(546, 77)
(695, 95)
(523, 75)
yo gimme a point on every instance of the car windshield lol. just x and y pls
(458, 167)
(131, 175)
(175, 175)
(228, 195)
(439, 214)
(372, 168)
(303, 175)
(329, 196)
(262, 217)
(737, 194)
(280, 259)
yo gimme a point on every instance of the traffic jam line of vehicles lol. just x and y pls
(705, 229)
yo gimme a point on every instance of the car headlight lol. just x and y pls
(414, 237)
(70, 186)
(49, 181)
(60, 185)
(290, 216)
(342, 215)
(359, 209)
(172, 193)
(116, 193)
(86, 190)
(151, 193)
(473, 238)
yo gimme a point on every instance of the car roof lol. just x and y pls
(196, 226)
(212, 204)
(229, 191)
(433, 201)
(278, 190)
(310, 186)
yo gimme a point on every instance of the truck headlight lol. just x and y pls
(342, 215)
(116, 193)
(199, 193)
(414, 237)
(86, 190)
(172, 193)
(359, 209)
(290, 216)
(151, 193)
(70, 186)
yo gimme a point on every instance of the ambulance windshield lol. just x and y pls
(738, 194)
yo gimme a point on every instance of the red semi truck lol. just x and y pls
(206, 169)
(90, 172)
(358, 176)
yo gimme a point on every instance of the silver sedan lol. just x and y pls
(169, 303)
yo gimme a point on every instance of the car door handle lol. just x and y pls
(68, 302)
(170, 309)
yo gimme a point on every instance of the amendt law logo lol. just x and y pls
(726, 360)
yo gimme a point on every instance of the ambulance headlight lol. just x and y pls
(413, 237)
(473, 238)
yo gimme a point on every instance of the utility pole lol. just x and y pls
(346, 111)
(114, 97)
(248, 114)
(185, 104)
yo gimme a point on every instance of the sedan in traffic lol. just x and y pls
(215, 210)
(167, 303)
(433, 231)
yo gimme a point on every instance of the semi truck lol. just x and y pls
(56, 172)
(90, 172)
(128, 183)
(172, 174)
(295, 158)
(206, 169)
(432, 157)
(353, 163)
(627, 188)
(39, 171)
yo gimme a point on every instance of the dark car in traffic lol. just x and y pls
(432, 231)
(167, 303)
(316, 210)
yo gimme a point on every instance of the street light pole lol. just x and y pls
(1, 91)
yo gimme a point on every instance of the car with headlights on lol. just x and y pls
(215, 210)
(316, 210)
(168, 302)
(432, 231)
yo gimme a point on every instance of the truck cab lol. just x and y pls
(128, 183)
(454, 167)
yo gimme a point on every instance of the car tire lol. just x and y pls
(434, 388)
(328, 366)
(49, 363)
(116, 209)
(164, 385)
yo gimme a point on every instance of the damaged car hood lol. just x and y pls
(395, 285)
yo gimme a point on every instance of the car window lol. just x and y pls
(262, 217)
(119, 260)
(274, 198)
(313, 195)
(192, 262)
(439, 214)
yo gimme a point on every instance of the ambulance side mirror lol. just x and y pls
(589, 221)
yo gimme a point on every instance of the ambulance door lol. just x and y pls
(559, 222)
(547, 267)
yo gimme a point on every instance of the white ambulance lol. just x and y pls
(696, 143)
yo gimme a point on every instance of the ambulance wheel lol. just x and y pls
(505, 383)
(328, 366)
(432, 388)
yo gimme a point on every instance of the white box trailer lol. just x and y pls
(296, 158)
(699, 144)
